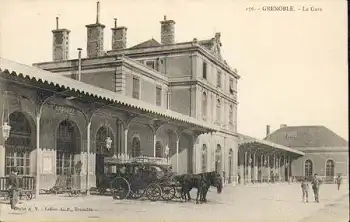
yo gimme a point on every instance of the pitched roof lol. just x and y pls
(146, 44)
(244, 139)
(307, 136)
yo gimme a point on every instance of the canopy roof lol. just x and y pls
(79, 87)
(250, 140)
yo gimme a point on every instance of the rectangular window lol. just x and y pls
(218, 80)
(204, 70)
(136, 87)
(151, 64)
(231, 86)
(158, 96)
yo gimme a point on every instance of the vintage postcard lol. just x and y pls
(182, 110)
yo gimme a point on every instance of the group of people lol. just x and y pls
(315, 182)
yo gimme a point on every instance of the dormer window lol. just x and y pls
(151, 64)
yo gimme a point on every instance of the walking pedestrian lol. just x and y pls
(316, 188)
(13, 183)
(305, 189)
(339, 180)
(239, 179)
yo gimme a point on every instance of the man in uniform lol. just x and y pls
(339, 180)
(316, 187)
(13, 183)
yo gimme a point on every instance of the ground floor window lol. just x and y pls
(64, 163)
(21, 160)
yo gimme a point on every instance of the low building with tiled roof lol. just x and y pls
(326, 153)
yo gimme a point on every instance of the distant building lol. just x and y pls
(326, 153)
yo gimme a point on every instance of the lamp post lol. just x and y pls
(5, 131)
(166, 153)
(108, 143)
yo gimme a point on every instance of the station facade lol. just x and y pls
(174, 102)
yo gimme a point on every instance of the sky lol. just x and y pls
(293, 65)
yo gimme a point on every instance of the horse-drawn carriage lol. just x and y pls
(139, 178)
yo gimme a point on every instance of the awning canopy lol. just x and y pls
(79, 87)
(250, 140)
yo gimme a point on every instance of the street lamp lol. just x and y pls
(109, 143)
(166, 152)
(6, 131)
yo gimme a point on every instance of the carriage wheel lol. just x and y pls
(168, 193)
(29, 195)
(153, 192)
(138, 193)
(120, 188)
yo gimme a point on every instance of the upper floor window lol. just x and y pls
(204, 105)
(151, 64)
(218, 80)
(158, 96)
(204, 70)
(231, 86)
(230, 115)
(218, 107)
(135, 87)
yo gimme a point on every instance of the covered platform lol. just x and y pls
(261, 161)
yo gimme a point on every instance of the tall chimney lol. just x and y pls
(167, 31)
(118, 36)
(267, 130)
(60, 46)
(95, 37)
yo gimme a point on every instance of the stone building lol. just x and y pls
(181, 96)
(326, 153)
(170, 101)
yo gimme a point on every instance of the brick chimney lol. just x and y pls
(60, 47)
(167, 31)
(95, 37)
(267, 130)
(118, 36)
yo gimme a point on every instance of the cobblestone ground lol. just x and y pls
(274, 202)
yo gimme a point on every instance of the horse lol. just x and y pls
(201, 182)
(210, 179)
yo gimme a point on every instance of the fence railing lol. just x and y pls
(25, 183)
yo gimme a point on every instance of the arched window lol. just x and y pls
(330, 168)
(159, 149)
(308, 168)
(19, 145)
(218, 106)
(136, 150)
(204, 105)
(68, 144)
(204, 158)
(230, 117)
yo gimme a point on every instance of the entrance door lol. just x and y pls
(99, 168)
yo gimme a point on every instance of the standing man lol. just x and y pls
(339, 180)
(13, 183)
(316, 187)
(305, 189)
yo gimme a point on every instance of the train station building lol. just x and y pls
(173, 102)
